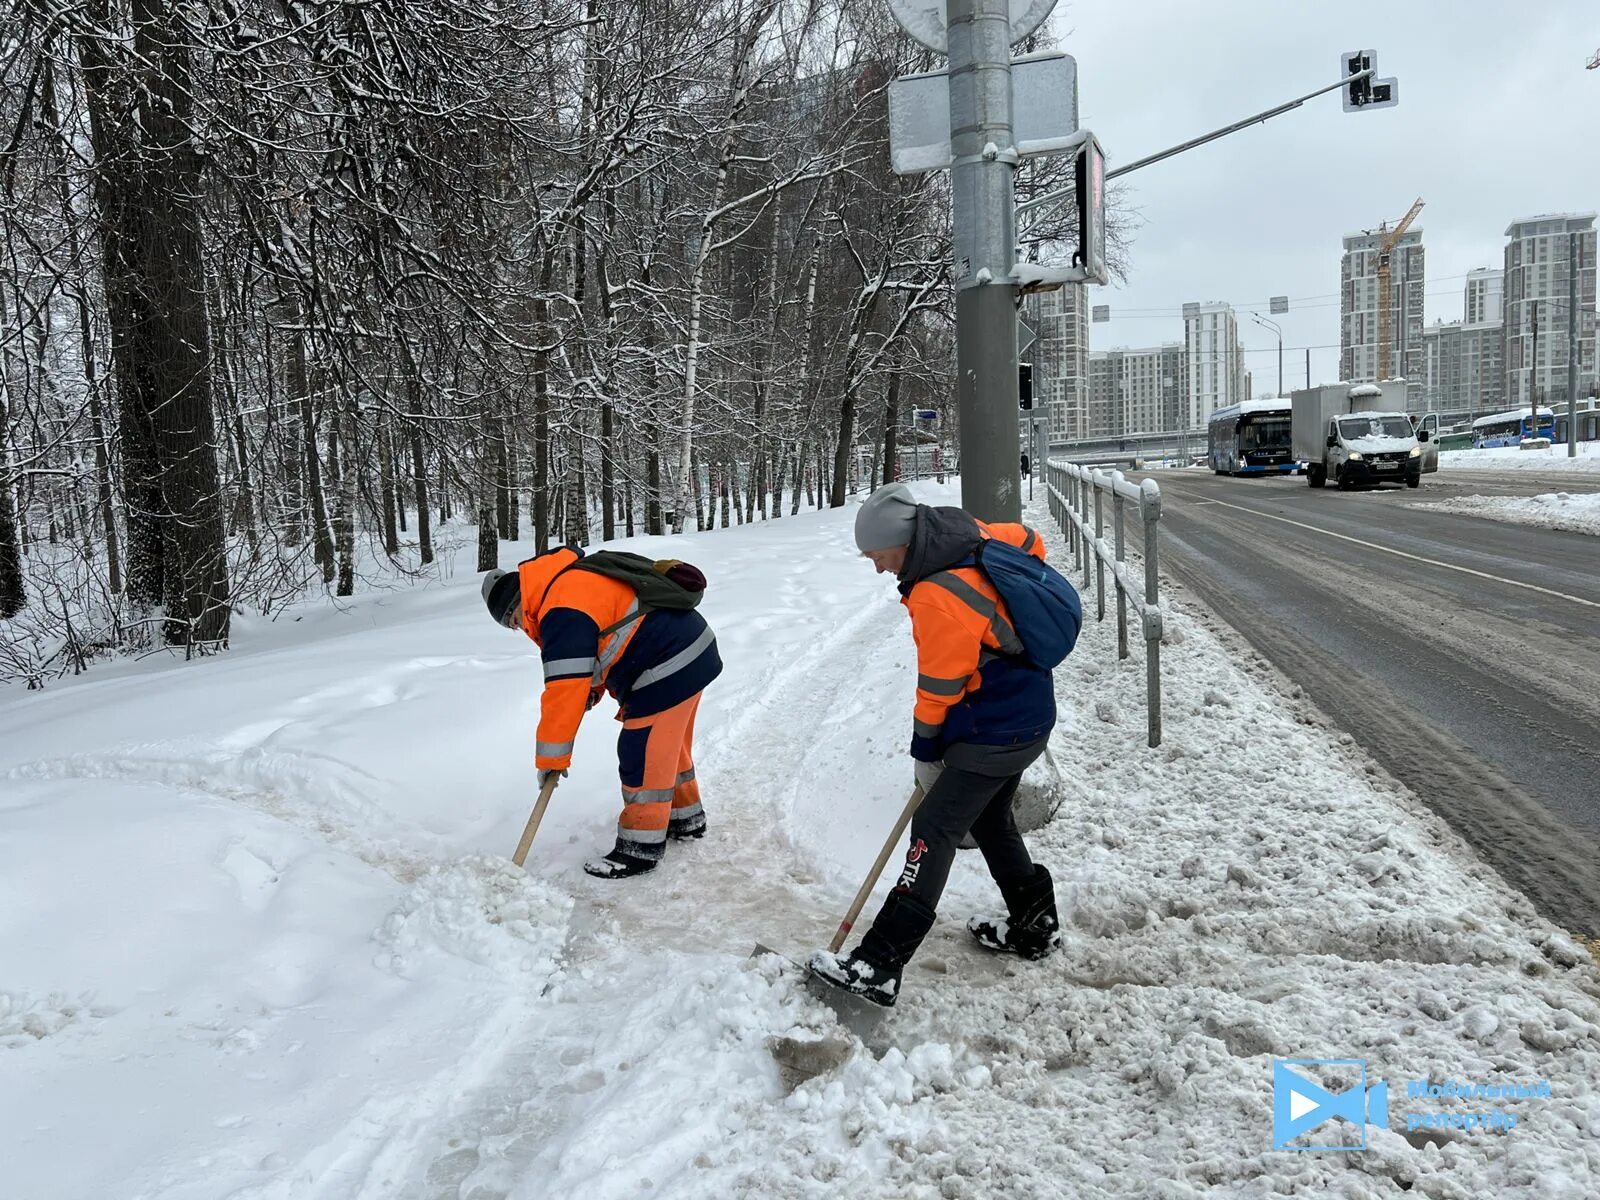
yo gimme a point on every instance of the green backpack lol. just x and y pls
(660, 583)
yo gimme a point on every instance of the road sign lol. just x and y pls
(1044, 113)
(1100, 313)
(1091, 255)
(1026, 335)
(924, 20)
(1280, 304)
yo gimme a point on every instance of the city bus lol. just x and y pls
(1510, 428)
(1251, 438)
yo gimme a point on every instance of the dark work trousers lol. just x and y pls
(974, 792)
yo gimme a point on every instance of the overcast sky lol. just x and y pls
(1498, 119)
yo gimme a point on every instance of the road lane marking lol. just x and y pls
(1432, 562)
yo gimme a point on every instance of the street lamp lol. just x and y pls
(1278, 329)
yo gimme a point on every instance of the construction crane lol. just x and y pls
(1385, 316)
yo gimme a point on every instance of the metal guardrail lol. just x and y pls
(1070, 487)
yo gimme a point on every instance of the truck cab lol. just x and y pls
(1369, 448)
(1359, 434)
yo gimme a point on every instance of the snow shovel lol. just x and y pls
(871, 880)
(857, 1014)
(534, 818)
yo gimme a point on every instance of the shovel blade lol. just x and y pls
(860, 1016)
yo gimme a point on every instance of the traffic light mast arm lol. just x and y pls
(1061, 194)
(1244, 124)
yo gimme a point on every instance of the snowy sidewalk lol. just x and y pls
(257, 935)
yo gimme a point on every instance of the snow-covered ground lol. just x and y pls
(1511, 458)
(259, 939)
(1577, 512)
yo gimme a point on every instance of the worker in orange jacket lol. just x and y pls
(592, 641)
(983, 713)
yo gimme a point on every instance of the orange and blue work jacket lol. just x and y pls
(591, 640)
(972, 684)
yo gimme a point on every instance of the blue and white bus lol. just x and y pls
(1251, 438)
(1510, 428)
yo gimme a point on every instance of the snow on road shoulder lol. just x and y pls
(1575, 512)
(1513, 458)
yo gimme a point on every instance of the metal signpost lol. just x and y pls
(979, 119)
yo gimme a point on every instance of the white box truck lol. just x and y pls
(1356, 434)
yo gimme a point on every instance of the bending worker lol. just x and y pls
(596, 637)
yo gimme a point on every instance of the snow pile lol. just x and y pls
(256, 930)
(1574, 512)
(484, 910)
(1512, 458)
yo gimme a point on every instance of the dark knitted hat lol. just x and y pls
(502, 593)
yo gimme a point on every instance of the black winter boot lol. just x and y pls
(873, 969)
(616, 865)
(1033, 929)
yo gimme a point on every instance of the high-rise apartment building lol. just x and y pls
(1060, 359)
(1105, 393)
(1537, 271)
(1135, 391)
(1465, 369)
(1358, 311)
(1215, 375)
(1485, 297)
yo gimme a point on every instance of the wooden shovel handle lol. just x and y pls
(534, 818)
(877, 869)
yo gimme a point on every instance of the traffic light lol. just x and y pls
(1024, 385)
(1368, 92)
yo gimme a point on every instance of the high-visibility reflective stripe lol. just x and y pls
(612, 649)
(1010, 643)
(1001, 628)
(560, 667)
(685, 777)
(684, 813)
(941, 687)
(923, 729)
(553, 749)
(615, 647)
(642, 837)
(964, 592)
(677, 662)
(646, 795)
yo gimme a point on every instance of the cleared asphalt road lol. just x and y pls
(1468, 664)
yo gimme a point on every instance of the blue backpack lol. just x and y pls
(1044, 607)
